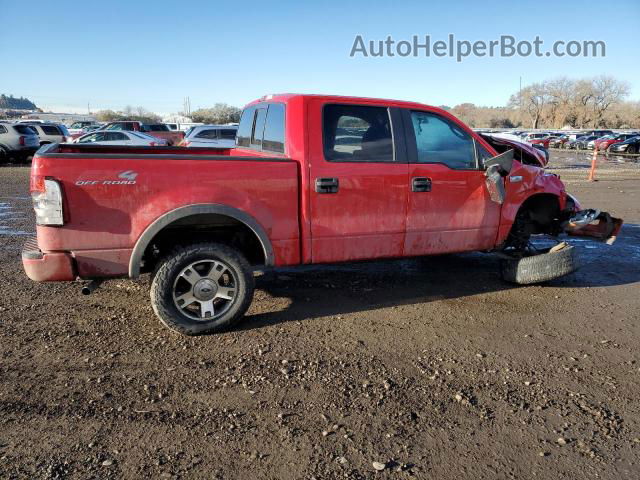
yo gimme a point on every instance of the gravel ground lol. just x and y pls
(424, 368)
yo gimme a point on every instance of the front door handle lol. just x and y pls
(420, 184)
(327, 185)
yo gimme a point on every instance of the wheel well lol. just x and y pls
(205, 227)
(538, 214)
(542, 209)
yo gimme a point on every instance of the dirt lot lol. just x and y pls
(433, 367)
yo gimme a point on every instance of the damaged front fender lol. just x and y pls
(593, 223)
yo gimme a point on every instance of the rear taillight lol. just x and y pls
(22, 140)
(46, 195)
(64, 139)
(152, 144)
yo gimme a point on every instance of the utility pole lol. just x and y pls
(520, 99)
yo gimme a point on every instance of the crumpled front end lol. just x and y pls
(590, 222)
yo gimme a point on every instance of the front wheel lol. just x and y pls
(202, 288)
(554, 263)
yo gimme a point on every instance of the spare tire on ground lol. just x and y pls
(556, 262)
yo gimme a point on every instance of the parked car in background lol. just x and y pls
(121, 138)
(559, 142)
(582, 142)
(528, 136)
(597, 141)
(605, 142)
(223, 136)
(50, 132)
(77, 127)
(573, 144)
(631, 145)
(159, 130)
(599, 133)
(17, 141)
(84, 131)
(544, 141)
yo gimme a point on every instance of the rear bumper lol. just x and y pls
(46, 267)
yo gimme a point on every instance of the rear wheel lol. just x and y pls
(202, 288)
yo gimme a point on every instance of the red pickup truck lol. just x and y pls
(159, 130)
(312, 179)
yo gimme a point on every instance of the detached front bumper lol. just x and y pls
(46, 267)
(595, 224)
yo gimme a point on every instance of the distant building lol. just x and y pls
(67, 118)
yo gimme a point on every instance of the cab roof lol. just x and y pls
(287, 97)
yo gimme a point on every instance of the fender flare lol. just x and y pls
(143, 241)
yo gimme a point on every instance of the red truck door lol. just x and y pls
(358, 181)
(449, 206)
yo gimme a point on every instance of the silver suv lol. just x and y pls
(17, 141)
(50, 132)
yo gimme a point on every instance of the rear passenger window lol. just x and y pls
(25, 130)
(245, 128)
(439, 140)
(258, 128)
(227, 134)
(355, 133)
(114, 136)
(2, 129)
(211, 134)
(273, 139)
(50, 130)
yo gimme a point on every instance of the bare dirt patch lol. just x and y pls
(424, 368)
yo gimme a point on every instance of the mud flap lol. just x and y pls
(595, 224)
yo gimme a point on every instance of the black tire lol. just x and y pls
(4, 155)
(540, 268)
(171, 273)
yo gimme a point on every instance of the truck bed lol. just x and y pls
(113, 195)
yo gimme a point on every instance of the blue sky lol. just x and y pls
(153, 54)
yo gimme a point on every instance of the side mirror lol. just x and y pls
(495, 183)
(504, 162)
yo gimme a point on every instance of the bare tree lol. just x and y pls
(606, 91)
(533, 99)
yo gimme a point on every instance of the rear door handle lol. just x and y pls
(420, 184)
(327, 185)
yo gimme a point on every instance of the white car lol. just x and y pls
(217, 136)
(108, 137)
(534, 135)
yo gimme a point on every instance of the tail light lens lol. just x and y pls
(46, 195)
(152, 144)
(22, 140)
(64, 139)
